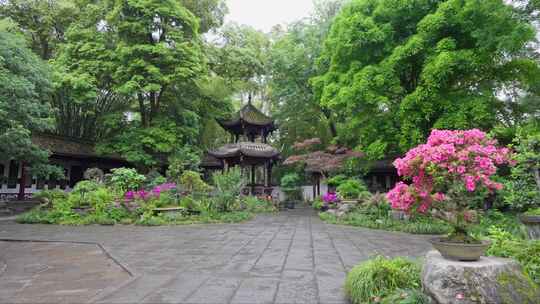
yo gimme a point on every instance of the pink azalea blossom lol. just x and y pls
(468, 157)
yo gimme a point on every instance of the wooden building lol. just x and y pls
(73, 155)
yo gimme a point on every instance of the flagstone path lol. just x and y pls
(290, 257)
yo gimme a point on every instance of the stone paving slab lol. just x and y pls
(290, 257)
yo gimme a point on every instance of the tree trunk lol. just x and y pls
(142, 110)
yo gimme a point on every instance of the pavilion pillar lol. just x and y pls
(268, 179)
(253, 179)
(318, 184)
(22, 182)
(314, 187)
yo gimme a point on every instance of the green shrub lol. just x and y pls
(192, 181)
(336, 180)
(351, 189)
(374, 279)
(124, 179)
(34, 216)
(190, 204)
(521, 191)
(418, 225)
(527, 253)
(228, 187)
(153, 178)
(254, 204)
(317, 203)
(48, 196)
(535, 211)
(406, 296)
(290, 185)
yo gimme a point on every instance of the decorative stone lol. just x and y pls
(399, 215)
(490, 280)
(532, 222)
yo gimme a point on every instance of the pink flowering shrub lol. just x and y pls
(447, 171)
(147, 195)
(330, 198)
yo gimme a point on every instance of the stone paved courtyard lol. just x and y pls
(290, 257)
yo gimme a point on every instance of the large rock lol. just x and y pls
(488, 281)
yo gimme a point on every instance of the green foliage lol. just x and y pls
(415, 226)
(527, 253)
(336, 180)
(228, 187)
(43, 22)
(535, 211)
(257, 205)
(379, 277)
(153, 178)
(183, 159)
(317, 203)
(522, 189)
(351, 188)
(393, 70)
(124, 179)
(406, 296)
(192, 182)
(48, 196)
(290, 181)
(24, 106)
(292, 63)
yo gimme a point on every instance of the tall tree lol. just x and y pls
(292, 64)
(44, 22)
(396, 69)
(24, 89)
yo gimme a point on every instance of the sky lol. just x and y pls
(263, 14)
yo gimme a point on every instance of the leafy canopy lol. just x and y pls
(396, 69)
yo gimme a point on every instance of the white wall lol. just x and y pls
(307, 192)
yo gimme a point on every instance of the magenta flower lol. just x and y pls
(330, 197)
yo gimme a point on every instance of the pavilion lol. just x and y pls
(248, 148)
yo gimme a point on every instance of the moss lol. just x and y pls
(513, 284)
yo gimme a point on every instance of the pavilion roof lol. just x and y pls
(247, 114)
(250, 149)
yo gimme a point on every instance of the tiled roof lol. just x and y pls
(66, 146)
(245, 149)
(249, 114)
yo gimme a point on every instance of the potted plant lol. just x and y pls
(449, 175)
(350, 190)
(290, 185)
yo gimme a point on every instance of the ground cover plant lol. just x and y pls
(123, 198)
(383, 280)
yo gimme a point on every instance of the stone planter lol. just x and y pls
(491, 280)
(399, 215)
(460, 251)
(290, 204)
(532, 222)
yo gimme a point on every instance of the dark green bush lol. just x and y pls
(336, 180)
(377, 278)
(351, 189)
